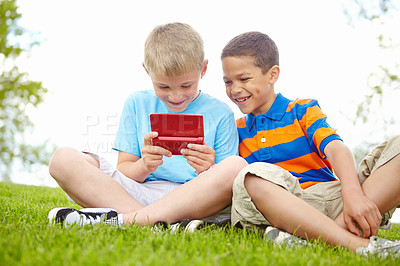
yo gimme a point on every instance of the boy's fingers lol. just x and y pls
(377, 219)
(199, 148)
(353, 228)
(155, 159)
(194, 155)
(156, 150)
(365, 227)
(196, 164)
(195, 147)
(189, 152)
(370, 222)
(193, 159)
(148, 137)
(153, 162)
(193, 164)
(159, 150)
(150, 148)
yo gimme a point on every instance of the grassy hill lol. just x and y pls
(26, 238)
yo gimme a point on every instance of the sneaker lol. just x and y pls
(159, 227)
(380, 247)
(194, 225)
(188, 226)
(279, 237)
(68, 216)
(387, 226)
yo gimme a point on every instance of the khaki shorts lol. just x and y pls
(325, 197)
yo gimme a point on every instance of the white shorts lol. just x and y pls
(145, 193)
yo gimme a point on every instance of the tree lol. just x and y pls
(384, 82)
(368, 9)
(17, 93)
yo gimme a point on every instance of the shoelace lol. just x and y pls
(86, 218)
(381, 248)
(387, 246)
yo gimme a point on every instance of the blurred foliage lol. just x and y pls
(17, 95)
(368, 9)
(384, 81)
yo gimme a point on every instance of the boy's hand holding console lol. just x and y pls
(177, 134)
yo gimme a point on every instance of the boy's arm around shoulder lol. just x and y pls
(358, 210)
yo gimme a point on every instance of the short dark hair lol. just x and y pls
(256, 44)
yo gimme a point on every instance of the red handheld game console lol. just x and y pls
(175, 131)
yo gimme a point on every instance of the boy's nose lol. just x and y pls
(235, 88)
(175, 96)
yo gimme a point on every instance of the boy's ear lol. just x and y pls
(147, 71)
(274, 72)
(204, 68)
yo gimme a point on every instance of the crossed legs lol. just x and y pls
(288, 212)
(382, 187)
(79, 176)
(293, 215)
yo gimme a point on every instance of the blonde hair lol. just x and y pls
(173, 49)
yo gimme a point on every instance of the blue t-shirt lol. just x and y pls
(219, 131)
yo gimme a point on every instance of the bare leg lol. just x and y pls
(289, 213)
(78, 174)
(382, 187)
(203, 196)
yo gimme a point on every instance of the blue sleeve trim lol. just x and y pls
(326, 141)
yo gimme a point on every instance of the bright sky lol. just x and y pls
(91, 54)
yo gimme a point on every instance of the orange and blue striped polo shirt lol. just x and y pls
(292, 135)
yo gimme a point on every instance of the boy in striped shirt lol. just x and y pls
(293, 153)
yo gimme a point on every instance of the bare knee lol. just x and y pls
(258, 188)
(59, 160)
(236, 164)
(252, 183)
(64, 161)
(232, 166)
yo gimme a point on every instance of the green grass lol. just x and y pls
(27, 239)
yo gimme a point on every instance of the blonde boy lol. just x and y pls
(149, 184)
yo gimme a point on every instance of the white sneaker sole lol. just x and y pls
(52, 215)
(193, 226)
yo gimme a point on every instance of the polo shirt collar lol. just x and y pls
(278, 108)
(276, 111)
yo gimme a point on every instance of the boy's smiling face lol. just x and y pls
(177, 92)
(251, 90)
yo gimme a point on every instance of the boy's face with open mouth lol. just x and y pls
(246, 85)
